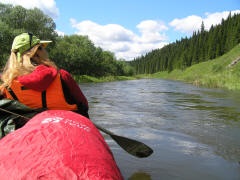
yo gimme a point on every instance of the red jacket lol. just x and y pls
(43, 76)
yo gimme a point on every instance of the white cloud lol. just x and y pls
(47, 6)
(216, 18)
(109, 32)
(187, 25)
(123, 42)
(193, 23)
(151, 31)
(60, 33)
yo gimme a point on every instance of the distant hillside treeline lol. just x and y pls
(202, 46)
(75, 53)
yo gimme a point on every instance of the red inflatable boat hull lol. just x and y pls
(57, 144)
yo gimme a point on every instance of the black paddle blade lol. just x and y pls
(133, 147)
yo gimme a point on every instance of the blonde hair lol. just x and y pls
(25, 65)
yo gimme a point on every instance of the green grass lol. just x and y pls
(88, 79)
(214, 73)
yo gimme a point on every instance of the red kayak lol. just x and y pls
(57, 144)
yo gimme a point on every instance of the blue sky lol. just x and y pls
(131, 28)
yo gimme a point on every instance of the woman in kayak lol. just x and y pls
(30, 77)
(54, 144)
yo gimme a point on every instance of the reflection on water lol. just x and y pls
(194, 131)
(140, 176)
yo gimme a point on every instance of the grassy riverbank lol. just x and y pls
(217, 73)
(88, 79)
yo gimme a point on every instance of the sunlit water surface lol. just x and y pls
(194, 132)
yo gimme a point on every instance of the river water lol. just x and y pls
(194, 132)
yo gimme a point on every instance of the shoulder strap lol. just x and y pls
(12, 93)
(44, 100)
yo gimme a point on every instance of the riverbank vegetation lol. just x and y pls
(91, 79)
(222, 72)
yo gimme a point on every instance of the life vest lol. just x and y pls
(51, 98)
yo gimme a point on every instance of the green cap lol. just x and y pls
(24, 42)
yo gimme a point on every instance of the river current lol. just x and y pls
(194, 131)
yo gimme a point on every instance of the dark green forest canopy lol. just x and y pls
(16, 19)
(201, 46)
(79, 55)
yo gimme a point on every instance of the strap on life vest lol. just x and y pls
(44, 102)
(12, 94)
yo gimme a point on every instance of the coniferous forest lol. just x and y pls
(201, 46)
